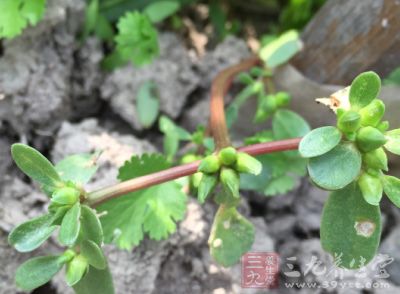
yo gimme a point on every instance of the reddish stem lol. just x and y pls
(99, 196)
(219, 87)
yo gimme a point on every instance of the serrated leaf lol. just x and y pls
(147, 104)
(95, 281)
(393, 141)
(364, 89)
(281, 49)
(160, 10)
(286, 124)
(35, 165)
(37, 271)
(78, 168)
(90, 225)
(70, 226)
(30, 235)
(279, 185)
(153, 210)
(391, 186)
(137, 39)
(93, 254)
(337, 168)
(231, 236)
(350, 227)
(319, 141)
(17, 14)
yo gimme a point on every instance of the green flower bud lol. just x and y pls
(383, 126)
(188, 158)
(230, 181)
(228, 155)
(370, 138)
(76, 268)
(206, 186)
(376, 159)
(210, 164)
(372, 113)
(65, 196)
(196, 178)
(246, 163)
(282, 99)
(371, 188)
(349, 121)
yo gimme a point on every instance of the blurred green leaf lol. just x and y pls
(160, 10)
(147, 104)
(391, 186)
(393, 141)
(286, 124)
(393, 78)
(95, 281)
(93, 254)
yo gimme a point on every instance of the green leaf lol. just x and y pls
(35, 165)
(364, 88)
(93, 254)
(37, 271)
(91, 14)
(76, 268)
(95, 281)
(350, 227)
(159, 11)
(337, 168)
(78, 168)
(104, 30)
(231, 236)
(90, 225)
(137, 39)
(391, 186)
(319, 141)
(173, 134)
(230, 181)
(147, 104)
(393, 78)
(286, 124)
(206, 186)
(281, 49)
(371, 188)
(30, 235)
(17, 14)
(70, 226)
(393, 141)
(153, 210)
(279, 185)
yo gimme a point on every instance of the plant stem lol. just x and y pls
(96, 197)
(219, 87)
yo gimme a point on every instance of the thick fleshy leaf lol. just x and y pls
(95, 281)
(93, 254)
(90, 225)
(76, 268)
(37, 271)
(78, 168)
(364, 88)
(30, 235)
(337, 168)
(319, 141)
(35, 165)
(231, 236)
(70, 226)
(393, 141)
(371, 188)
(350, 227)
(391, 186)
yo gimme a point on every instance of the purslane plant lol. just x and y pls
(347, 159)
